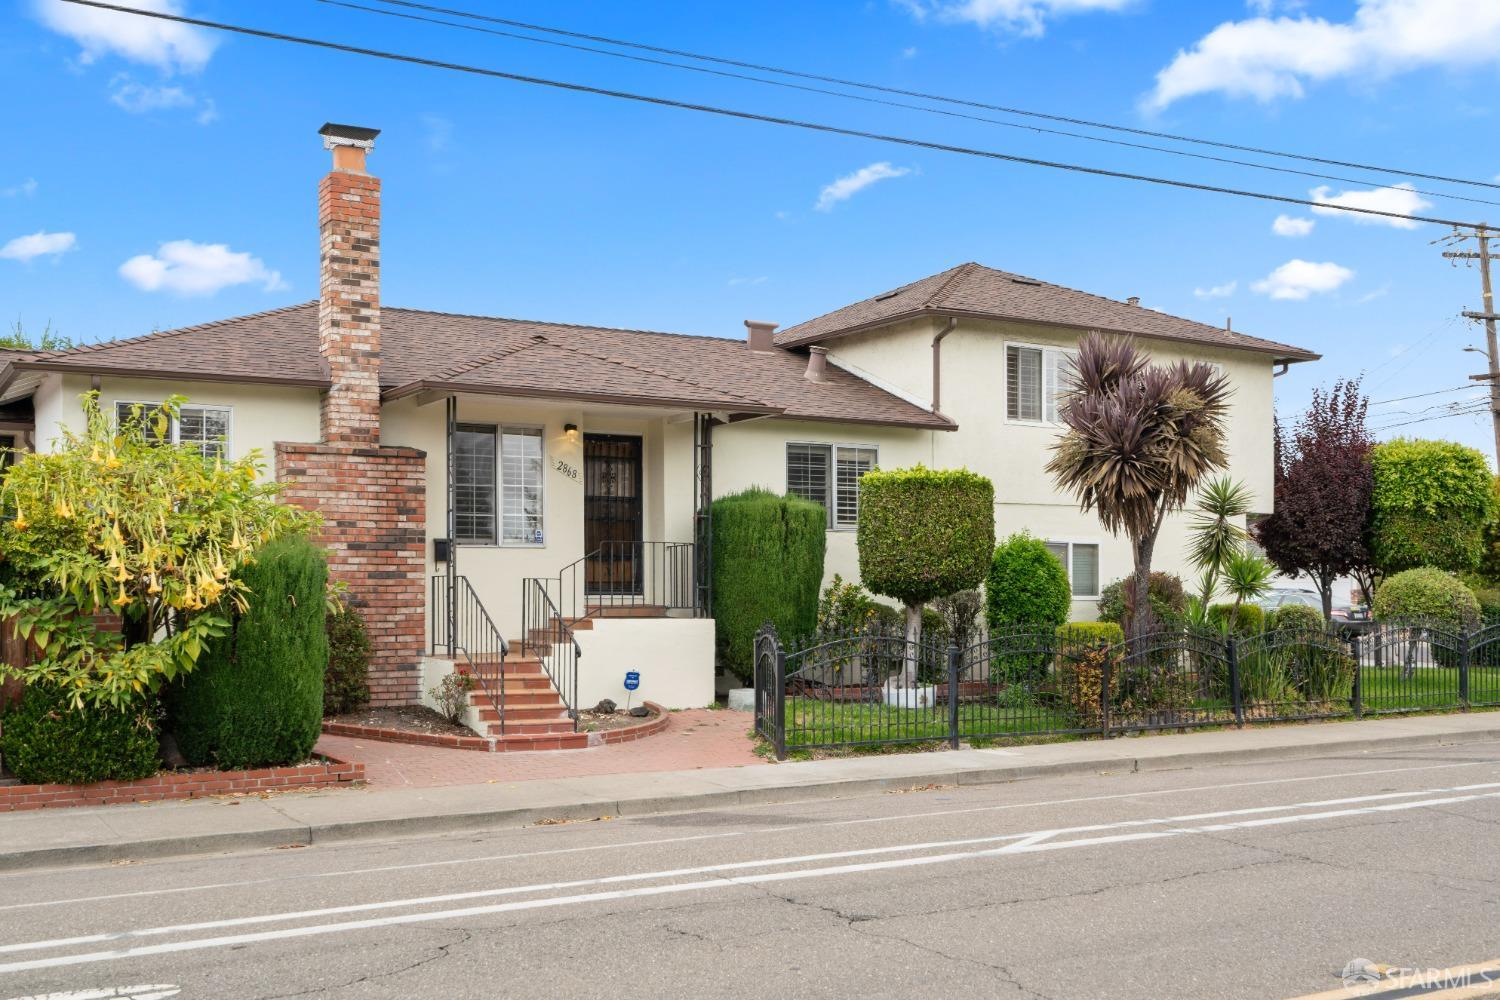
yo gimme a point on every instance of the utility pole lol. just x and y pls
(1492, 346)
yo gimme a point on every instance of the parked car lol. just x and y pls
(1282, 596)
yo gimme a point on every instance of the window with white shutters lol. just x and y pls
(206, 428)
(829, 474)
(521, 489)
(497, 485)
(1035, 382)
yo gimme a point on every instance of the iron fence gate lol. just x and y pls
(866, 688)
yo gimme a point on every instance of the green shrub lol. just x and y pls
(1489, 602)
(1248, 619)
(46, 741)
(1026, 586)
(845, 607)
(1090, 634)
(1168, 600)
(1294, 617)
(346, 684)
(256, 698)
(1427, 595)
(768, 566)
(925, 533)
(1430, 505)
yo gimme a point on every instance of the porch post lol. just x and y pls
(450, 407)
(703, 450)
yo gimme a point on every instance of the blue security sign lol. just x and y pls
(632, 680)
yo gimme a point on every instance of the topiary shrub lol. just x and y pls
(1090, 634)
(256, 698)
(346, 684)
(1427, 595)
(768, 566)
(924, 534)
(1026, 586)
(44, 740)
(1430, 505)
(1165, 591)
(1295, 618)
(1246, 620)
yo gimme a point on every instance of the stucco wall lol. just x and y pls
(675, 657)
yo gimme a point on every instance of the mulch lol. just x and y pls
(406, 718)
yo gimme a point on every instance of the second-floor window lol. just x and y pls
(829, 474)
(497, 485)
(204, 427)
(1034, 381)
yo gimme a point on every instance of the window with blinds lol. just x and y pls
(474, 507)
(521, 490)
(206, 428)
(1036, 380)
(1081, 562)
(829, 474)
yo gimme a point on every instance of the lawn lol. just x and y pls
(814, 722)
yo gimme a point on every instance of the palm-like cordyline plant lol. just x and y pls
(1139, 438)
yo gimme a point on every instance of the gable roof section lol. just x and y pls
(423, 351)
(981, 292)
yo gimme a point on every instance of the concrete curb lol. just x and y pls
(299, 834)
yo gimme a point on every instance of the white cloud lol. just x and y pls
(1298, 279)
(1022, 17)
(910, 52)
(1292, 226)
(25, 189)
(849, 185)
(1265, 8)
(141, 99)
(1267, 58)
(188, 268)
(42, 244)
(1217, 291)
(164, 44)
(1401, 199)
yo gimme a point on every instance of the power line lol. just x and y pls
(780, 71)
(1422, 395)
(347, 4)
(754, 116)
(1481, 409)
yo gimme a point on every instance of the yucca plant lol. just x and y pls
(1215, 534)
(1140, 437)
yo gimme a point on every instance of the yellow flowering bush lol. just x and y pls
(118, 520)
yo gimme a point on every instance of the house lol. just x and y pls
(493, 482)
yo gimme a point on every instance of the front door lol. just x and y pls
(612, 513)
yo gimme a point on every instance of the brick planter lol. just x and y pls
(187, 785)
(498, 744)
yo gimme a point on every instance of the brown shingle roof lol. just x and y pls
(983, 292)
(429, 350)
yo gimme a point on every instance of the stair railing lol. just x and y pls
(550, 635)
(463, 628)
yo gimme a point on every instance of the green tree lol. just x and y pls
(1026, 586)
(924, 534)
(1430, 505)
(116, 521)
(48, 340)
(1140, 437)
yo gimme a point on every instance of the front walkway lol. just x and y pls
(696, 738)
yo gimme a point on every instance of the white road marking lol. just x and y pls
(1021, 842)
(160, 992)
(1028, 844)
(731, 834)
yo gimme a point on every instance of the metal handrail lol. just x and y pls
(635, 575)
(472, 634)
(540, 615)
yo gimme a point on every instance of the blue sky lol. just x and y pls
(157, 176)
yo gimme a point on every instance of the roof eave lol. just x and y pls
(940, 424)
(1279, 352)
(482, 389)
(115, 371)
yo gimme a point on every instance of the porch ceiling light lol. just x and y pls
(571, 430)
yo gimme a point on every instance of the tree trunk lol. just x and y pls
(1325, 591)
(1139, 608)
(913, 637)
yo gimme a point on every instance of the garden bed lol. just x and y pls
(606, 729)
(187, 784)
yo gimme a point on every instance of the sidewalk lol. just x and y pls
(96, 835)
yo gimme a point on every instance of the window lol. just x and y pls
(1081, 561)
(204, 427)
(7, 450)
(1034, 379)
(497, 485)
(829, 474)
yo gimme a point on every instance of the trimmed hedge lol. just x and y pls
(1026, 585)
(1431, 503)
(768, 566)
(1091, 633)
(256, 697)
(1294, 617)
(346, 684)
(1165, 591)
(1249, 619)
(1427, 594)
(925, 533)
(46, 741)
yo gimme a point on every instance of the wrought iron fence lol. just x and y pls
(871, 687)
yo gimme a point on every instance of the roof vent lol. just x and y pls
(1134, 300)
(1026, 281)
(887, 295)
(760, 335)
(817, 364)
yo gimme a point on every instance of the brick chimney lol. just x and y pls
(760, 335)
(349, 288)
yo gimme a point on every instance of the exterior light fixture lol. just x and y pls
(571, 430)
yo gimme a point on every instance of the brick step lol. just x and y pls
(520, 743)
(627, 611)
(525, 713)
(531, 727)
(519, 699)
(514, 679)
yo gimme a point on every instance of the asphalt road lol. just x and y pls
(1248, 881)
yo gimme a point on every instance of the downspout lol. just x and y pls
(1280, 368)
(937, 364)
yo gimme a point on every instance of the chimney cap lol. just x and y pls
(348, 135)
(1134, 300)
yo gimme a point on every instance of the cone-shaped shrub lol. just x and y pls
(256, 698)
(768, 566)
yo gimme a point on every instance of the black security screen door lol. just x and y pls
(612, 513)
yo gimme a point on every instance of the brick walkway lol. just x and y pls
(694, 739)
